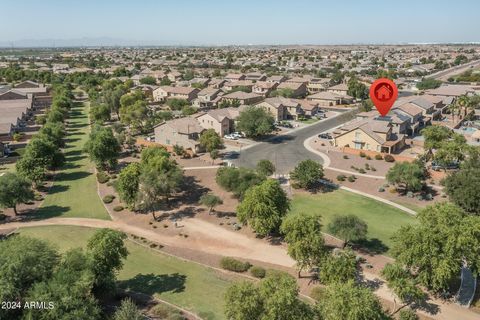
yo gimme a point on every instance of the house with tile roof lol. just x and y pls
(369, 134)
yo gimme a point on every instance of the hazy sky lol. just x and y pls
(212, 22)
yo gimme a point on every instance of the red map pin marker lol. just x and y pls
(383, 93)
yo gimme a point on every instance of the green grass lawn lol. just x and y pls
(74, 193)
(383, 220)
(191, 286)
(8, 167)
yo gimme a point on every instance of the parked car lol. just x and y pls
(230, 137)
(284, 124)
(325, 136)
(237, 134)
(437, 167)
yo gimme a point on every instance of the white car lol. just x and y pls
(230, 137)
(237, 134)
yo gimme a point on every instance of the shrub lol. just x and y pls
(361, 170)
(258, 272)
(232, 264)
(373, 168)
(2, 216)
(164, 311)
(110, 183)
(108, 198)
(351, 179)
(409, 194)
(118, 208)
(102, 177)
(368, 158)
(381, 189)
(392, 190)
(362, 154)
(341, 177)
(345, 156)
(389, 158)
(378, 157)
(367, 166)
(38, 197)
(407, 314)
(428, 197)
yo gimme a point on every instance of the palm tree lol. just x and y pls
(464, 104)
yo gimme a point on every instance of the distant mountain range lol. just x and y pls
(112, 42)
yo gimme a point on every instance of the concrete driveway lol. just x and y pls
(286, 151)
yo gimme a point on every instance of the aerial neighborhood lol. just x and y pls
(239, 182)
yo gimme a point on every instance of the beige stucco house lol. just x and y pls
(369, 134)
(184, 132)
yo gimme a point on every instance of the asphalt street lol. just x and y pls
(285, 151)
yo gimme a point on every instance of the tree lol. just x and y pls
(338, 267)
(243, 301)
(160, 177)
(237, 180)
(214, 155)
(463, 188)
(29, 168)
(357, 89)
(254, 122)
(14, 190)
(347, 301)
(152, 153)
(452, 150)
(70, 288)
(210, 140)
(179, 150)
(434, 136)
(44, 152)
(307, 174)
(211, 201)
(55, 131)
(279, 292)
(409, 175)
(265, 167)
(148, 80)
(177, 104)
(263, 207)
(100, 113)
(128, 311)
(303, 234)
(428, 83)
(403, 285)
(102, 147)
(445, 239)
(128, 183)
(285, 92)
(135, 115)
(349, 228)
(112, 98)
(23, 262)
(106, 250)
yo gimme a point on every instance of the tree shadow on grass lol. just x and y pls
(48, 212)
(371, 246)
(56, 188)
(155, 283)
(73, 153)
(71, 176)
(75, 158)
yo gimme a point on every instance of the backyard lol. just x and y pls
(383, 220)
(74, 193)
(186, 284)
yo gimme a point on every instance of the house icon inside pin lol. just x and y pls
(383, 92)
